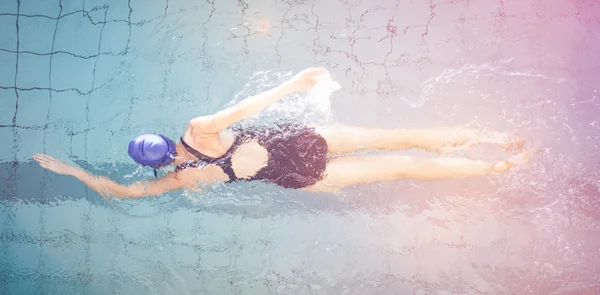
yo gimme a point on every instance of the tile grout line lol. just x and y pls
(116, 288)
(43, 186)
(11, 183)
(87, 220)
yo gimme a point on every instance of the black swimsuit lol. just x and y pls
(297, 156)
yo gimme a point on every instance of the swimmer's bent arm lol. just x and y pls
(244, 109)
(254, 104)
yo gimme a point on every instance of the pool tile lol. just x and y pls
(135, 258)
(64, 219)
(72, 73)
(104, 256)
(112, 105)
(183, 222)
(24, 257)
(64, 257)
(6, 148)
(68, 109)
(189, 275)
(250, 260)
(139, 229)
(76, 146)
(145, 10)
(215, 260)
(97, 143)
(7, 77)
(36, 34)
(20, 285)
(78, 36)
(62, 187)
(57, 143)
(115, 37)
(33, 71)
(26, 222)
(216, 227)
(146, 76)
(30, 142)
(33, 108)
(104, 283)
(5, 263)
(7, 106)
(365, 52)
(7, 180)
(8, 38)
(8, 6)
(110, 75)
(111, 101)
(213, 283)
(185, 255)
(31, 181)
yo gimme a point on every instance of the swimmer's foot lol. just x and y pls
(469, 138)
(507, 141)
(447, 141)
(516, 160)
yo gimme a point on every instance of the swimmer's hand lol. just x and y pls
(54, 165)
(306, 79)
(94, 182)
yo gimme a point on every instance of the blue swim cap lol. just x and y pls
(152, 150)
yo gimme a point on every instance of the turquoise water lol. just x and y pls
(79, 79)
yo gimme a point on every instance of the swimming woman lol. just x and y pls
(292, 156)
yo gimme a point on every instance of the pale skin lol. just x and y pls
(210, 136)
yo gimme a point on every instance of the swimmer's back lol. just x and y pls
(296, 156)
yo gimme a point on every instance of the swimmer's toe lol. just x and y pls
(516, 160)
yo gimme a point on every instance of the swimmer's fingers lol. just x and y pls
(42, 159)
(105, 195)
(52, 164)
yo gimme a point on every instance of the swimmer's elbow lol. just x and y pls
(133, 191)
(221, 120)
(240, 111)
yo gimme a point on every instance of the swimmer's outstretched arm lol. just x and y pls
(106, 187)
(251, 106)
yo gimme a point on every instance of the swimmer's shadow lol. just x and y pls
(32, 183)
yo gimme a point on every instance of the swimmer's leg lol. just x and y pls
(346, 139)
(346, 171)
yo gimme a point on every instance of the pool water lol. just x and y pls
(80, 78)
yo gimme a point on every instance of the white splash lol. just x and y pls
(468, 75)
